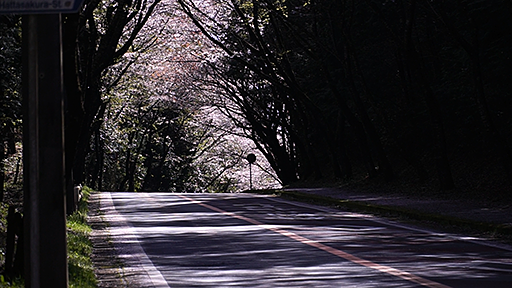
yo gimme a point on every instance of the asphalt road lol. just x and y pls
(243, 240)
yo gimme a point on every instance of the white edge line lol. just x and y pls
(127, 232)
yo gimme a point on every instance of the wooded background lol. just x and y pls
(159, 94)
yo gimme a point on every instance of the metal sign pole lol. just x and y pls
(43, 142)
(43, 139)
(250, 176)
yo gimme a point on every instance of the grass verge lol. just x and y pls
(16, 283)
(80, 267)
(81, 270)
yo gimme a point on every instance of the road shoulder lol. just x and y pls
(107, 265)
(448, 215)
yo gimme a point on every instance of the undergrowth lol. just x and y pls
(81, 270)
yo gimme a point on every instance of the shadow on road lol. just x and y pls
(193, 246)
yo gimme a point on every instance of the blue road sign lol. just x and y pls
(39, 6)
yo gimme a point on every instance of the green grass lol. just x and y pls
(81, 270)
(18, 282)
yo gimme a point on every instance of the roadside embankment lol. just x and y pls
(468, 216)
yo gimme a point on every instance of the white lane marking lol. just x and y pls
(124, 236)
(342, 254)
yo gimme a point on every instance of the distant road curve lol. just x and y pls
(243, 240)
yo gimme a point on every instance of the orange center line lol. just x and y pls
(347, 256)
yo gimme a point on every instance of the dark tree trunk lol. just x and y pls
(73, 112)
(99, 153)
(356, 125)
(498, 141)
(147, 183)
(346, 165)
(2, 173)
(497, 138)
(418, 70)
(385, 167)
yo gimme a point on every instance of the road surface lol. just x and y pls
(244, 240)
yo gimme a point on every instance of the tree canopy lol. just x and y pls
(170, 95)
(392, 90)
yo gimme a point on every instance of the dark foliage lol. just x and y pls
(408, 91)
(10, 96)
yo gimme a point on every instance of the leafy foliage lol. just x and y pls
(325, 90)
(155, 130)
(378, 89)
(10, 94)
